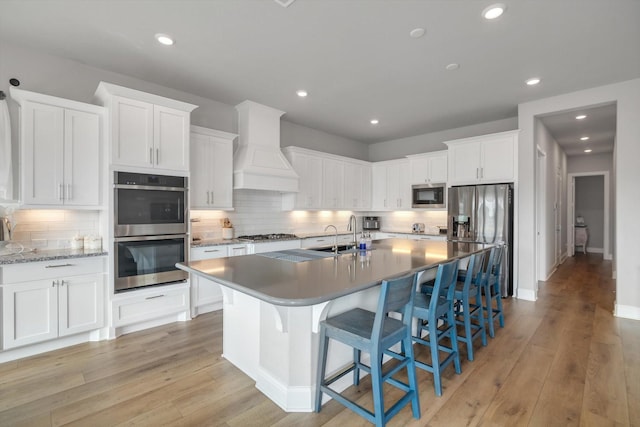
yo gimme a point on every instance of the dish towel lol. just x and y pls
(6, 182)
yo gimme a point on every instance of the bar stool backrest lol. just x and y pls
(445, 283)
(396, 295)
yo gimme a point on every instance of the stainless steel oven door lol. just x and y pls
(148, 260)
(145, 210)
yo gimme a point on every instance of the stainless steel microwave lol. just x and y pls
(429, 196)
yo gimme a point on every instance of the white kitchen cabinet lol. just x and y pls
(391, 187)
(309, 169)
(438, 238)
(61, 142)
(151, 304)
(51, 301)
(206, 295)
(237, 250)
(333, 184)
(211, 185)
(484, 159)
(257, 248)
(357, 186)
(428, 168)
(147, 131)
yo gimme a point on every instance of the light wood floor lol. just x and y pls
(563, 360)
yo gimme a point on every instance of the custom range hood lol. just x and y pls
(258, 163)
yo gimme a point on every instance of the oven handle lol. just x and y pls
(145, 238)
(147, 187)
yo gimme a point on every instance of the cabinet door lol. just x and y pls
(404, 186)
(379, 187)
(29, 313)
(437, 165)
(132, 132)
(208, 252)
(200, 182)
(81, 158)
(221, 173)
(80, 304)
(497, 162)
(464, 163)
(42, 154)
(352, 184)
(237, 250)
(419, 167)
(309, 169)
(171, 138)
(332, 180)
(366, 187)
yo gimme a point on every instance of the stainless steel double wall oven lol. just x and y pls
(150, 229)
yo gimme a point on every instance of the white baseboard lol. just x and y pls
(42, 347)
(595, 250)
(627, 311)
(608, 257)
(289, 398)
(526, 294)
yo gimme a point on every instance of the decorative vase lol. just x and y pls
(227, 233)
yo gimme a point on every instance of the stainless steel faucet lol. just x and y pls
(335, 238)
(352, 226)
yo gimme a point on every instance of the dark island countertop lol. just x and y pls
(285, 282)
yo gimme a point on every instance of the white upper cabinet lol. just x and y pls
(391, 186)
(147, 131)
(484, 159)
(211, 184)
(328, 181)
(309, 169)
(428, 168)
(61, 143)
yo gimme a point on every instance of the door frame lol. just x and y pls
(571, 196)
(540, 211)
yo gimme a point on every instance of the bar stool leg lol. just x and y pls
(322, 362)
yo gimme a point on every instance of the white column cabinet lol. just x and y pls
(332, 184)
(357, 186)
(61, 142)
(428, 168)
(484, 159)
(147, 131)
(211, 185)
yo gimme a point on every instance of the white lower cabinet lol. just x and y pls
(54, 304)
(151, 304)
(257, 248)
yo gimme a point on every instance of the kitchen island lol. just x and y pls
(273, 304)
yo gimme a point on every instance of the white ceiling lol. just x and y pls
(354, 57)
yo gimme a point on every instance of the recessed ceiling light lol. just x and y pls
(301, 93)
(588, 150)
(164, 39)
(581, 117)
(584, 138)
(374, 121)
(494, 11)
(533, 81)
(452, 66)
(416, 33)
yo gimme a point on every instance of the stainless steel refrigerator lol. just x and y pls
(484, 214)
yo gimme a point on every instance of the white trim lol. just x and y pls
(627, 311)
(526, 294)
(595, 250)
(540, 217)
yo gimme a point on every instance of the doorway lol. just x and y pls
(588, 196)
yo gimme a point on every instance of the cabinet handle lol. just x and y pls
(213, 250)
(320, 240)
(154, 297)
(54, 283)
(150, 155)
(62, 283)
(59, 265)
(69, 196)
(208, 202)
(241, 247)
(60, 192)
(157, 156)
(481, 172)
(212, 197)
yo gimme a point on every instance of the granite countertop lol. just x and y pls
(288, 283)
(413, 233)
(215, 242)
(47, 255)
(218, 242)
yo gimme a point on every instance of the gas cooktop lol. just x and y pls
(275, 236)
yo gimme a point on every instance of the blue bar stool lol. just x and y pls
(374, 333)
(492, 289)
(471, 312)
(434, 307)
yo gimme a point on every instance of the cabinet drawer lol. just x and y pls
(150, 305)
(51, 269)
(314, 242)
(208, 252)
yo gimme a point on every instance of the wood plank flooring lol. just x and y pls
(563, 360)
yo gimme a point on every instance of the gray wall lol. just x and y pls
(428, 142)
(590, 205)
(57, 76)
